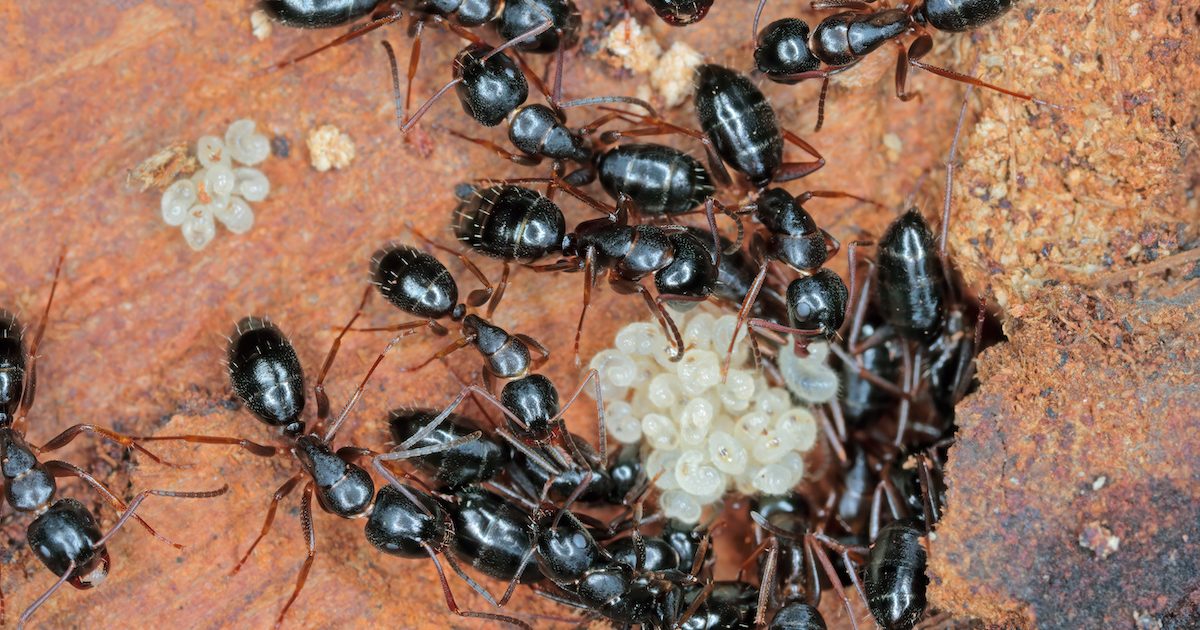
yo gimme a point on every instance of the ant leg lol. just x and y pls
(127, 441)
(589, 280)
(921, 47)
(801, 343)
(454, 346)
(670, 329)
(31, 383)
(319, 388)
(834, 437)
(500, 288)
(377, 459)
(876, 380)
(376, 22)
(821, 104)
(767, 583)
(912, 377)
(37, 603)
(835, 580)
(522, 159)
(453, 606)
(795, 170)
(279, 495)
(543, 351)
(60, 468)
(306, 523)
(362, 387)
(858, 6)
(860, 309)
(743, 314)
(833, 194)
(944, 238)
(512, 584)
(254, 448)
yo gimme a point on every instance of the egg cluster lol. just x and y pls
(702, 437)
(219, 191)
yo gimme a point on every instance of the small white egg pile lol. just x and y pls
(219, 190)
(704, 436)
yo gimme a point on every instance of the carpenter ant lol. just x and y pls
(492, 89)
(514, 223)
(786, 53)
(659, 180)
(268, 378)
(64, 535)
(915, 303)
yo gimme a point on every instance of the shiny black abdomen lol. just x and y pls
(492, 535)
(740, 122)
(400, 527)
(414, 281)
(912, 283)
(956, 16)
(680, 12)
(317, 13)
(658, 179)
(795, 240)
(895, 579)
(12, 367)
(510, 223)
(265, 372)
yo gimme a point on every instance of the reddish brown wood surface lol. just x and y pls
(136, 338)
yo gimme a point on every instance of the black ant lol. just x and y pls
(493, 89)
(517, 224)
(64, 535)
(786, 53)
(267, 377)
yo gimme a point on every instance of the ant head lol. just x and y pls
(782, 51)
(492, 86)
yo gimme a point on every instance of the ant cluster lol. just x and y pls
(512, 492)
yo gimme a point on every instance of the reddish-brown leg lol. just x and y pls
(453, 606)
(127, 441)
(355, 32)
(319, 388)
(31, 381)
(60, 468)
(310, 535)
(795, 170)
(279, 495)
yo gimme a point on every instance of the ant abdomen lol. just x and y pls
(400, 527)
(12, 367)
(957, 16)
(912, 283)
(414, 281)
(481, 521)
(842, 39)
(895, 578)
(657, 179)
(508, 222)
(317, 13)
(266, 373)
